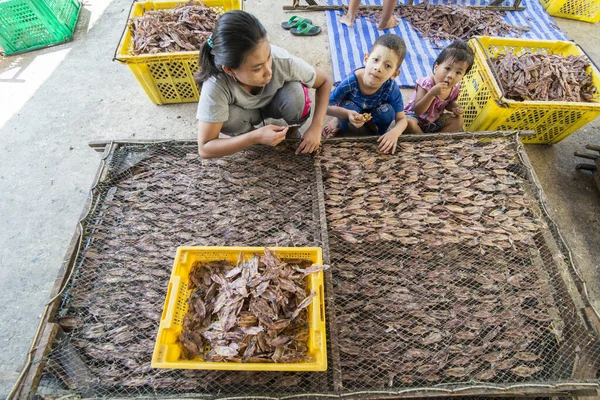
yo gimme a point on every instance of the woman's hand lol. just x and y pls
(311, 140)
(270, 135)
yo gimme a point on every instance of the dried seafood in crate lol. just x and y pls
(544, 77)
(449, 22)
(435, 274)
(182, 28)
(253, 312)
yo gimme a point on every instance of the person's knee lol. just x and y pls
(412, 126)
(384, 114)
(453, 124)
(350, 105)
(236, 126)
(240, 121)
(456, 121)
(291, 100)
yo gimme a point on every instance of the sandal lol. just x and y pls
(294, 21)
(306, 29)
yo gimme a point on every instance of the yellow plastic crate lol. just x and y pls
(166, 77)
(580, 10)
(487, 109)
(167, 350)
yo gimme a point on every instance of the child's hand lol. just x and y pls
(388, 142)
(439, 89)
(355, 119)
(457, 110)
(270, 135)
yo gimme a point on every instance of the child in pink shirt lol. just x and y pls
(438, 93)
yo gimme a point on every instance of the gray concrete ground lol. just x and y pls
(54, 101)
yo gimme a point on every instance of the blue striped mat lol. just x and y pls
(348, 45)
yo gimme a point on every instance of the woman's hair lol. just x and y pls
(236, 33)
(394, 43)
(457, 51)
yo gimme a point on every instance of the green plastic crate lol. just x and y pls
(32, 24)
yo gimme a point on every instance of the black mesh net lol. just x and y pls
(440, 270)
(154, 199)
(445, 272)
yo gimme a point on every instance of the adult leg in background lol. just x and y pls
(350, 16)
(388, 20)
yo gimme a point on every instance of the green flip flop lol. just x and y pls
(306, 29)
(294, 21)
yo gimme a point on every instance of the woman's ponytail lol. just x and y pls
(207, 64)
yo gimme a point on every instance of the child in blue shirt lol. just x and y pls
(369, 99)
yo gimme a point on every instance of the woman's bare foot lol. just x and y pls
(347, 20)
(331, 129)
(392, 22)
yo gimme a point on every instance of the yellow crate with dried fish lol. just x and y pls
(164, 60)
(244, 308)
(580, 10)
(488, 105)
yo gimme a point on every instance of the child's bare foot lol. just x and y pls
(392, 22)
(331, 129)
(347, 20)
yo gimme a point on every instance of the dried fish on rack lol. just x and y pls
(544, 77)
(252, 312)
(449, 22)
(456, 193)
(168, 197)
(182, 28)
(434, 277)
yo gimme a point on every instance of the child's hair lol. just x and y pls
(457, 51)
(236, 33)
(394, 43)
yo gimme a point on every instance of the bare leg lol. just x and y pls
(388, 20)
(453, 124)
(413, 126)
(331, 129)
(348, 19)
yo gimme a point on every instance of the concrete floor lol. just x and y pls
(54, 101)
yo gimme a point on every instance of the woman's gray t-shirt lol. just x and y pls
(220, 91)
